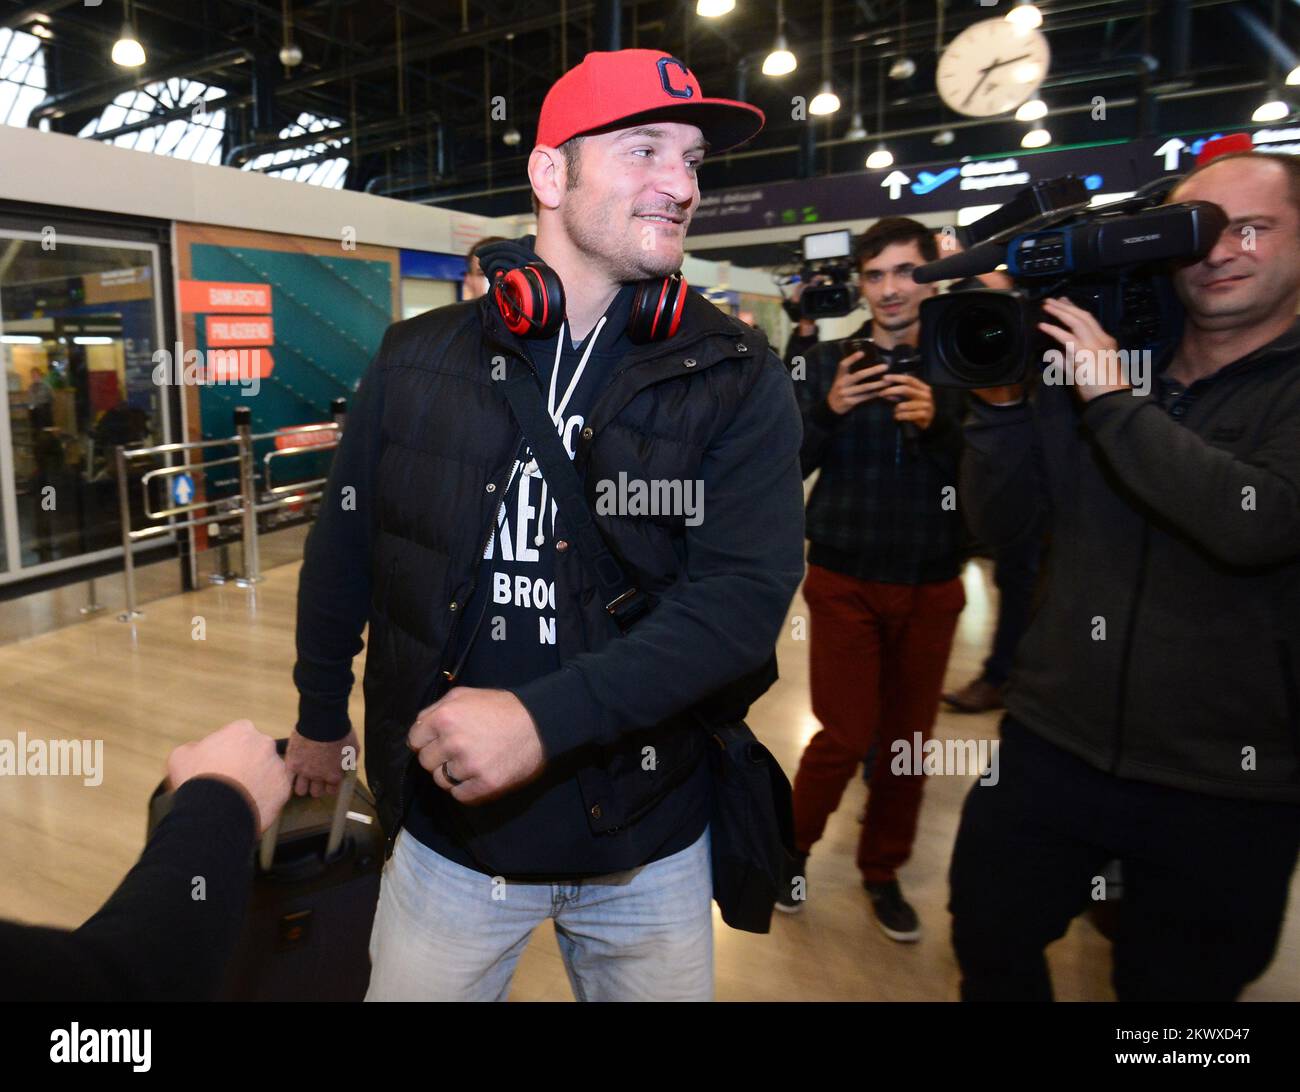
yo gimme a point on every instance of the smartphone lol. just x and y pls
(865, 346)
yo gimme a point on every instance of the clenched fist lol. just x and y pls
(241, 755)
(478, 744)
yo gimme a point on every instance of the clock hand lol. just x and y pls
(984, 75)
(1022, 57)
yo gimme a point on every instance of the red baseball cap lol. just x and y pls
(1225, 145)
(623, 88)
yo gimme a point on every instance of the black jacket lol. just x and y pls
(152, 940)
(413, 495)
(886, 499)
(1167, 645)
(799, 345)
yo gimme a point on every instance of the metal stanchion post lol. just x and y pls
(248, 494)
(124, 513)
(93, 606)
(223, 572)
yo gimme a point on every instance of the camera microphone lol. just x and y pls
(904, 359)
(983, 258)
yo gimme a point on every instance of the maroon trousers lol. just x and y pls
(877, 657)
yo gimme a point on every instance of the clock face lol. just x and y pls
(992, 67)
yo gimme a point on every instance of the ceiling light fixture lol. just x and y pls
(881, 158)
(780, 62)
(1025, 16)
(127, 50)
(1037, 137)
(825, 101)
(1031, 110)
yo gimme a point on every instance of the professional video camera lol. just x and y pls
(1114, 261)
(828, 276)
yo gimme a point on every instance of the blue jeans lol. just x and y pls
(444, 932)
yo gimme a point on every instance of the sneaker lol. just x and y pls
(794, 888)
(894, 914)
(977, 696)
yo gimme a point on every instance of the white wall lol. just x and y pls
(419, 295)
(56, 169)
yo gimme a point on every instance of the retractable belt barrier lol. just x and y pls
(245, 505)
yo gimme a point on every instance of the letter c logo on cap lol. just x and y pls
(676, 92)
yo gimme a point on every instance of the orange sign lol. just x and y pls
(205, 297)
(239, 330)
(232, 365)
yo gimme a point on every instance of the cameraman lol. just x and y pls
(803, 331)
(1155, 703)
(882, 588)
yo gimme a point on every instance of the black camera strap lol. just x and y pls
(623, 601)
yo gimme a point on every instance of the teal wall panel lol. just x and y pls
(329, 315)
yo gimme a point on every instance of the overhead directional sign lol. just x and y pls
(909, 189)
(1170, 149)
(894, 182)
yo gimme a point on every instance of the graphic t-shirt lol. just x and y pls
(542, 830)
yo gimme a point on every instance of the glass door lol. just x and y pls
(80, 319)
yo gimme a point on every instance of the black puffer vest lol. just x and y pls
(448, 441)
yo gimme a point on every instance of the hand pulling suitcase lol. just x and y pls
(315, 886)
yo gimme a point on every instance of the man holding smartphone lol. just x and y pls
(886, 547)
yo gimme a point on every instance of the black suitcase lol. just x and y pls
(315, 887)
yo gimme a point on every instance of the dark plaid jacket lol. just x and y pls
(884, 506)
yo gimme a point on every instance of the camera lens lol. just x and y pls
(983, 337)
(981, 341)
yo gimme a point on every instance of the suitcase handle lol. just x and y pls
(266, 849)
(161, 803)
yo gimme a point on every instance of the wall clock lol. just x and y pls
(992, 67)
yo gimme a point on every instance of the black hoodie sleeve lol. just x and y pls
(334, 581)
(154, 939)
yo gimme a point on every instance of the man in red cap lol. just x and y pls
(561, 775)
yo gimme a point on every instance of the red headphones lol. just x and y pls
(530, 298)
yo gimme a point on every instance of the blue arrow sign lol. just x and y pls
(182, 489)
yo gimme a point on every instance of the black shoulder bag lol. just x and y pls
(752, 825)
